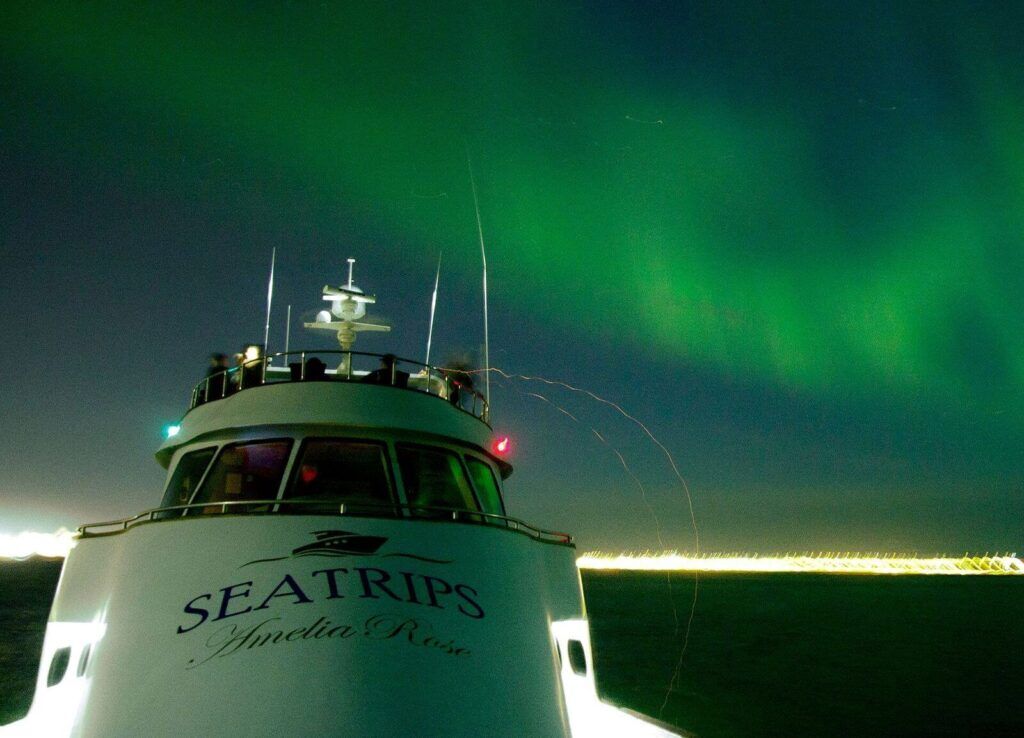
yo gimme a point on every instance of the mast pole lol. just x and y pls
(483, 257)
(433, 307)
(287, 330)
(270, 297)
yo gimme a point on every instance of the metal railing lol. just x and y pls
(323, 507)
(452, 385)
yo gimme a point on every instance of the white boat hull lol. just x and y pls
(213, 625)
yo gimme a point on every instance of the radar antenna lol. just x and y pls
(348, 307)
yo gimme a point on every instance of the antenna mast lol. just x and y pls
(270, 297)
(433, 307)
(483, 257)
(348, 307)
(287, 330)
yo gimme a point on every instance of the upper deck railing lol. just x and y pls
(453, 385)
(322, 507)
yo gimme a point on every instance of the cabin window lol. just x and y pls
(245, 471)
(577, 658)
(353, 473)
(58, 666)
(434, 477)
(187, 475)
(83, 660)
(486, 486)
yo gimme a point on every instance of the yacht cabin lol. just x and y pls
(402, 440)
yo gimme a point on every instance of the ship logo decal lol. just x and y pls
(345, 543)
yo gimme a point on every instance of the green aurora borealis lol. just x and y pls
(826, 202)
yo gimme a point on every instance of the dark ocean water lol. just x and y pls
(768, 655)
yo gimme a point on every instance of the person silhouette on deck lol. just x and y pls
(215, 378)
(460, 381)
(250, 366)
(388, 373)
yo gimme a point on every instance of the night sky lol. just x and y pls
(787, 236)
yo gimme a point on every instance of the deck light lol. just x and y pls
(501, 446)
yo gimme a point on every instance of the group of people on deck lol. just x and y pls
(223, 379)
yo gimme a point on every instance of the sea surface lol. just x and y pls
(768, 654)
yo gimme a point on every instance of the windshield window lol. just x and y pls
(350, 472)
(434, 478)
(246, 471)
(486, 486)
(187, 475)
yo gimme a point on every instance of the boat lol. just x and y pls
(332, 555)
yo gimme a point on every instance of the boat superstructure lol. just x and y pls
(332, 556)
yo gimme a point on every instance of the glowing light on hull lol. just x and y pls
(29, 543)
(824, 563)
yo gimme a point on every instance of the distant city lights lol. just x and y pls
(822, 563)
(28, 543)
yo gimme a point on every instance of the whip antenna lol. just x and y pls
(270, 297)
(483, 257)
(287, 330)
(433, 307)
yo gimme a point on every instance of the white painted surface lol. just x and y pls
(146, 677)
(333, 403)
(588, 715)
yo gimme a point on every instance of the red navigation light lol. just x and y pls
(501, 446)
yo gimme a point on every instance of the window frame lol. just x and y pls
(398, 494)
(435, 448)
(289, 458)
(390, 459)
(173, 469)
(495, 475)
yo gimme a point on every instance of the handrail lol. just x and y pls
(436, 381)
(456, 515)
